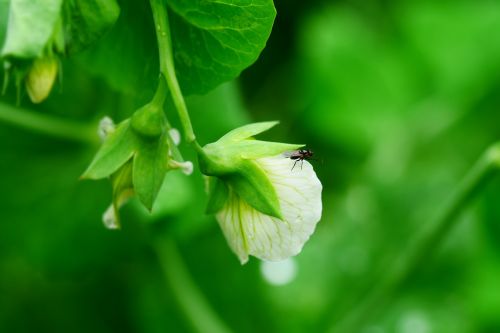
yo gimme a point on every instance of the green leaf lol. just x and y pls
(214, 41)
(127, 56)
(217, 195)
(31, 24)
(244, 132)
(252, 185)
(87, 21)
(150, 166)
(114, 152)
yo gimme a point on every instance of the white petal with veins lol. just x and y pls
(250, 232)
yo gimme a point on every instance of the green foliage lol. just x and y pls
(87, 21)
(31, 25)
(215, 40)
(397, 101)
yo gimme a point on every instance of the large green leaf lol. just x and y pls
(87, 21)
(214, 41)
(31, 24)
(127, 56)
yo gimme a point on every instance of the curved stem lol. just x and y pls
(42, 123)
(410, 260)
(167, 67)
(161, 92)
(190, 299)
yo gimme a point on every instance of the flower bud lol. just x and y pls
(149, 121)
(40, 78)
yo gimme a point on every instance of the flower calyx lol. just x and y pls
(233, 160)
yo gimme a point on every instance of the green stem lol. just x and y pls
(161, 92)
(167, 67)
(190, 299)
(49, 125)
(424, 246)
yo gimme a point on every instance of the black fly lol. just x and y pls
(300, 155)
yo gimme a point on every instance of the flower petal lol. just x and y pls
(250, 232)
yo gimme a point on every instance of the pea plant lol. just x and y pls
(200, 45)
(266, 203)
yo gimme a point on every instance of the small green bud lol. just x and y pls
(149, 121)
(41, 78)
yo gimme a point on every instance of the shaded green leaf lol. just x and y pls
(150, 166)
(127, 56)
(114, 152)
(88, 20)
(214, 41)
(31, 24)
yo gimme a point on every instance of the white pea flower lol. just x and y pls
(250, 232)
(263, 206)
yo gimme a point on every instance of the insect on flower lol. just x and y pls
(299, 155)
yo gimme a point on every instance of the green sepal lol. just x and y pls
(253, 186)
(231, 159)
(150, 167)
(217, 195)
(252, 149)
(117, 149)
(244, 132)
(87, 21)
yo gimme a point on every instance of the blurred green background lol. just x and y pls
(397, 99)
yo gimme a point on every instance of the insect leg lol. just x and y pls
(294, 164)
